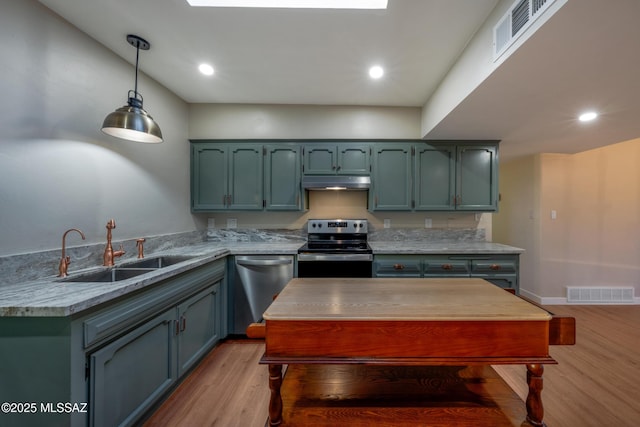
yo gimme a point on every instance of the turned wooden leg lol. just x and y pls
(275, 402)
(535, 410)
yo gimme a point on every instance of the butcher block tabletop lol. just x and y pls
(438, 299)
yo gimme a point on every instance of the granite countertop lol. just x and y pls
(441, 247)
(51, 296)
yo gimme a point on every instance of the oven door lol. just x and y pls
(334, 265)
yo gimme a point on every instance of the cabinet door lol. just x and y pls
(320, 159)
(353, 159)
(434, 178)
(391, 179)
(245, 177)
(129, 374)
(208, 177)
(282, 178)
(198, 319)
(477, 178)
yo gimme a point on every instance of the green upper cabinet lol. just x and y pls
(435, 177)
(456, 177)
(336, 159)
(209, 177)
(282, 177)
(391, 180)
(226, 177)
(477, 178)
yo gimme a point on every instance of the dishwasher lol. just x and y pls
(258, 278)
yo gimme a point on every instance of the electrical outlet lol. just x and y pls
(554, 214)
(428, 223)
(211, 223)
(387, 223)
(232, 223)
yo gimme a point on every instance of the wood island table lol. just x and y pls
(445, 332)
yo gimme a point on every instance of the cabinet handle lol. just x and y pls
(495, 267)
(338, 168)
(183, 323)
(447, 266)
(177, 327)
(398, 266)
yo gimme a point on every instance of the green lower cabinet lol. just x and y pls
(197, 326)
(112, 363)
(501, 270)
(130, 374)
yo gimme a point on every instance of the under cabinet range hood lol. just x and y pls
(335, 182)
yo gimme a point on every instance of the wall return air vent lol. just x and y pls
(600, 295)
(515, 22)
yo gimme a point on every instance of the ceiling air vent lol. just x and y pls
(515, 22)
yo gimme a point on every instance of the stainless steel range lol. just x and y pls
(336, 248)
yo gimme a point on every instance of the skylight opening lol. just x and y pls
(297, 4)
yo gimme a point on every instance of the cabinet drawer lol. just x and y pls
(445, 267)
(493, 266)
(397, 267)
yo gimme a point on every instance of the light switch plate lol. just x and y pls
(387, 223)
(211, 223)
(232, 223)
(428, 223)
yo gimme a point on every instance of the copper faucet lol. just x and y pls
(65, 260)
(109, 253)
(140, 245)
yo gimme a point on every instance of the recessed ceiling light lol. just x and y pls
(299, 4)
(206, 69)
(588, 116)
(376, 72)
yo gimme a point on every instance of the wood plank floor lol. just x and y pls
(596, 383)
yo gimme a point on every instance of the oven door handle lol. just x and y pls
(334, 257)
(263, 262)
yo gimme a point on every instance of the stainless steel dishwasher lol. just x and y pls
(258, 278)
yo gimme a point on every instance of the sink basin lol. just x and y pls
(111, 275)
(128, 270)
(157, 262)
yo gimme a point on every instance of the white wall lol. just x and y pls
(57, 169)
(594, 240)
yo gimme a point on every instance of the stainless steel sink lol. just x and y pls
(157, 262)
(127, 270)
(110, 275)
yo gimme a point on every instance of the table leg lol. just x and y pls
(275, 402)
(535, 411)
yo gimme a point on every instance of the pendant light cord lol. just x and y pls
(135, 90)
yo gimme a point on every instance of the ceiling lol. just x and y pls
(586, 56)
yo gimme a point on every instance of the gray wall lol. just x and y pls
(57, 169)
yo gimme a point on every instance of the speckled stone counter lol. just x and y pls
(441, 247)
(52, 296)
(22, 295)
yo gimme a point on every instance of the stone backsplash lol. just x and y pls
(36, 265)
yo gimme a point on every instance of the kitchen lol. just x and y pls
(59, 171)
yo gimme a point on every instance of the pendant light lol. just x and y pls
(131, 121)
